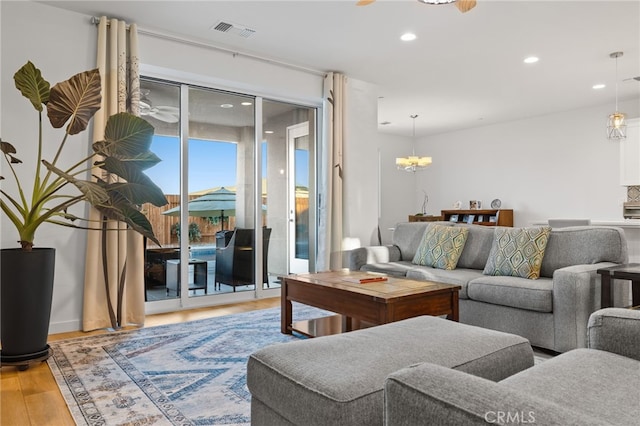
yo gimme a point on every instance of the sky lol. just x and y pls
(211, 164)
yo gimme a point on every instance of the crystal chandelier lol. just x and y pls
(616, 126)
(413, 163)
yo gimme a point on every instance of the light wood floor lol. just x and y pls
(32, 397)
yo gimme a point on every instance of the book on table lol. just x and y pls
(367, 279)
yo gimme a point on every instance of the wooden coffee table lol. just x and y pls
(370, 303)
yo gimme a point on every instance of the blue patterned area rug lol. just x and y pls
(192, 373)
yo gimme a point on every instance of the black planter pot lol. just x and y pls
(26, 290)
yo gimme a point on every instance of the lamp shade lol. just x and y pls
(412, 163)
(616, 126)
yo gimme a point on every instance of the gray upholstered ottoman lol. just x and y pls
(339, 380)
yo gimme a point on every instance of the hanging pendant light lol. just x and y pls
(413, 163)
(616, 126)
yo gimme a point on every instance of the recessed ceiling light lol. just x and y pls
(408, 37)
(598, 86)
(531, 60)
(268, 132)
(226, 106)
(246, 103)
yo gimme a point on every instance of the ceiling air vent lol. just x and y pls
(231, 28)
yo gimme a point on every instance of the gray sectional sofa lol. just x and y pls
(339, 379)
(595, 386)
(431, 371)
(551, 312)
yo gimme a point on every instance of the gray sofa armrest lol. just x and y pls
(432, 394)
(373, 254)
(576, 294)
(615, 330)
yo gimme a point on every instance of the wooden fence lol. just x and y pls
(162, 224)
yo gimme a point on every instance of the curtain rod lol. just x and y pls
(95, 21)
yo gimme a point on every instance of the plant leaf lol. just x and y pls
(138, 188)
(6, 147)
(93, 192)
(118, 208)
(30, 83)
(143, 161)
(75, 100)
(8, 150)
(126, 136)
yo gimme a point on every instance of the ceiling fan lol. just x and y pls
(462, 5)
(167, 114)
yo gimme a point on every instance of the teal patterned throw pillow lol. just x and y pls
(518, 252)
(441, 246)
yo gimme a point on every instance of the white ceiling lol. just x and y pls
(464, 70)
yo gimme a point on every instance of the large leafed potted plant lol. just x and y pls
(27, 272)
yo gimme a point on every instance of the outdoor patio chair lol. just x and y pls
(234, 263)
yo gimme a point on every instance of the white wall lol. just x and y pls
(360, 168)
(557, 165)
(400, 194)
(200, 65)
(62, 43)
(554, 166)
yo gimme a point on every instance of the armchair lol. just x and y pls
(594, 386)
(234, 263)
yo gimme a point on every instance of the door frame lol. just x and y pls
(294, 265)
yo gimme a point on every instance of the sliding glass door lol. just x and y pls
(160, 106)
(227, 171)
(289, 177)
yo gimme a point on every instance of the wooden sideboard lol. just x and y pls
(486, 217)
(425, 218)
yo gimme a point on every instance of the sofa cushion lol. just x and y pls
(407, 237)
(516, 292)
(584, 245)
(601, 385)
(459, 276)
(477, 248)
(518, 252)
(441, 246)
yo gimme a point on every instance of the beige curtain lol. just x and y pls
(330, 203)
(114, 296)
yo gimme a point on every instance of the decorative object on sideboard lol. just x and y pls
(424, 202)
(633, 193)
(486, 217)
(457, 205)
(616, 127)
(475, 204)
(495, 204)
(413, 163)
